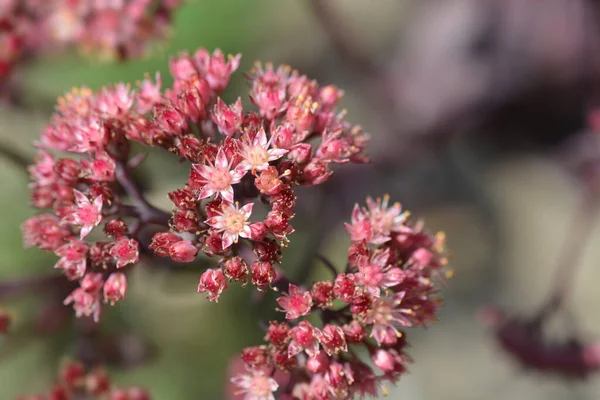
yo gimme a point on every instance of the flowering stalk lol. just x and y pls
(387, 287)
(235, 157)
(239, 161)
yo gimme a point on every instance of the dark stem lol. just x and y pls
(19, 287)
(144, 210)
(570, 257)
(328, 264)
(15, 157)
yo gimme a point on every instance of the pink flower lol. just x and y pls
(43, 169)
(228, 118)
(385, 219)
(92, 282)
(214, 282)
(295, 303)
(256, 154)
(232, 222)
(303, 338)
(375, 223)
(85, 303)
(85, 213)
(43, 231)
(360, 228)
(256, 385)
(387, 315)
(388, 360)
(375, 274)
(332, 339)
(125, 251)
(115, 287)
(215, 69)
(219, 177)
(183, 251)
(73, 258)
(149, 94)
(101, 167)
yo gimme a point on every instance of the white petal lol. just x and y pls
(221, 160)
(261, 138)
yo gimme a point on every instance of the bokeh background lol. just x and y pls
(475, 132)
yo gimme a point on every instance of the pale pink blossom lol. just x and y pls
(374, 273)
(387, 315)
(256, 385)
(296, 302)
(85, 213)
(303, 339)
(215, 68)
(125, 251)
(384, 218)
(256, 154)
(73, 258)
(85, 303)
(232, 222)
(219, 177)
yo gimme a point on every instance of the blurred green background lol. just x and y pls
(504, 221)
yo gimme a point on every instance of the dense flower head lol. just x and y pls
(389, 285)
(104, 29)
(244, 168)
(77, 381)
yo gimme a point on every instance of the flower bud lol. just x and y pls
(162, 241)
(262, 274)
(115, 288)
(236, 269)
(213, 282)
(183, 251)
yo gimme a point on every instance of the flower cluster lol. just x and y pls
(75, 382)
(387, 286)
(105, 28)
(238, 160)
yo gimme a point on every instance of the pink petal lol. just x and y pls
(261, 138)
(203, 170)
(274, 154)
(237, 174)
(247, 232)
(227, 194)
(221, 160)
(228, 240)
(98, 202)
(205, 192)
(85, 230)
(247, 209)
(80, 198)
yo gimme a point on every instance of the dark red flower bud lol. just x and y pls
(162, 241)
(262, 273)
(116, 228)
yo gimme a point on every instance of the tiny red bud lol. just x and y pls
(236, 269)
(262, 273)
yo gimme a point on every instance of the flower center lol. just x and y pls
(261, 386)
(220, 179)
(234, 222)
(382, 313)
(257, 156)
